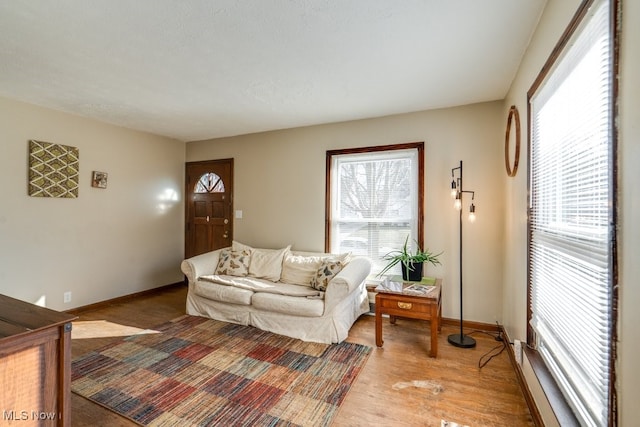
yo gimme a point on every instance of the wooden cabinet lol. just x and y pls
(35, 365)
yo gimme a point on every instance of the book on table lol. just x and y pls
(395, 284)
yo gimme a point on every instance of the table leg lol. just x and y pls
(439, 315)
(435, 326)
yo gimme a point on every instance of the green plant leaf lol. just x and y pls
(405, 257)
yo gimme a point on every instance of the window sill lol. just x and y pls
(558, 403)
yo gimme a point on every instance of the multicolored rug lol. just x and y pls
(204, 372)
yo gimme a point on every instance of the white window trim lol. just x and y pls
(354, 154)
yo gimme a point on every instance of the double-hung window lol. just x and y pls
(374, 200)
(571, 244)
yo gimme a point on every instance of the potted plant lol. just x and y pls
(412, 263)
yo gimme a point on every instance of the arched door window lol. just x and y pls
(209, 183)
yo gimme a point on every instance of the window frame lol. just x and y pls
(560, 406)
(419, 146)
(218, 187)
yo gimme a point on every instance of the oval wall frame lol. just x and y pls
(512, 121)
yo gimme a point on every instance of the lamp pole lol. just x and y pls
(461, 340)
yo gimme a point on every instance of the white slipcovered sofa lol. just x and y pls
(310, 296)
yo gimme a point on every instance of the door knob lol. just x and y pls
(226, 221)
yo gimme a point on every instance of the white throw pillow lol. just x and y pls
(237, 246)
(299, 269)
(267, 263)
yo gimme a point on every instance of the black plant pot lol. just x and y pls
(413, 273)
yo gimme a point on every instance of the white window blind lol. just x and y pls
(374, 203)
(571, 221)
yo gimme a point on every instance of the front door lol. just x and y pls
(209, 204)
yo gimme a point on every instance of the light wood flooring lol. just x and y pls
(469, 395)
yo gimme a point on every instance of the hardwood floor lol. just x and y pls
(469, 396)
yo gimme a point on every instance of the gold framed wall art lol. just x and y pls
(53, 170)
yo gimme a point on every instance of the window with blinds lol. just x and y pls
(572, 221)
(374, 200)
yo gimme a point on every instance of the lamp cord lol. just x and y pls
(486, 358)
(482, 364)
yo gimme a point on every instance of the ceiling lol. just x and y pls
(199, 69)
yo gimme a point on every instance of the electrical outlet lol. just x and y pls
(517, 350)
(67, 297)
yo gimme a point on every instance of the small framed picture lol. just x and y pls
(99, 179)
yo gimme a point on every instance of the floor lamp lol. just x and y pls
(457, 191)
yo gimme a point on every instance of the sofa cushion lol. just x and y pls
(295, 306)
(233, 263)
(222, 293)
(267, 263)
(260, 285)
(327, 271)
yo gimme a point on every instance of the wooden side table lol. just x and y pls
(401, 304)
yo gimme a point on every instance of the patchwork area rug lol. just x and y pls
(203, 372)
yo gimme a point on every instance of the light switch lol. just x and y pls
(238, 214)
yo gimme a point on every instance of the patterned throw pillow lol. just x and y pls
(328, 269)
(234, 263)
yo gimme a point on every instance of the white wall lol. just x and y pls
(556, 17)
(104, 244)
(280, 187)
